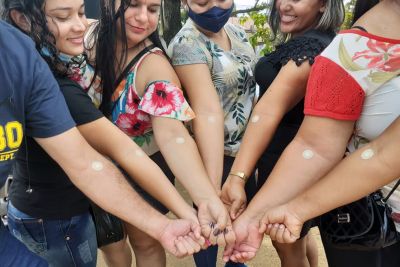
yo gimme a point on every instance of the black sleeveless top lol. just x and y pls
(300, 49)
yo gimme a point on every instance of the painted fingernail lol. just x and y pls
(216, 232)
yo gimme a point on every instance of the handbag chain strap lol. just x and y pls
(391, 191)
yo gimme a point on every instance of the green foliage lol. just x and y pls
(262, 35)
(349, 7)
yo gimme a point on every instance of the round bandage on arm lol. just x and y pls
(97, 166)
(211, 119)
(255, 118)
(367, 154)
(180, 140)
(139, 153)
(308, 154)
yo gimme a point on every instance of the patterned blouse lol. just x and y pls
(357, 78)
(231, 72)
(132, 113)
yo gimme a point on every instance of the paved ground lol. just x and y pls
(265, 257)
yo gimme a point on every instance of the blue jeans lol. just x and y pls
(14, 253)
(68, 242)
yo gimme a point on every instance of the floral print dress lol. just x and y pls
(132, 112)
(231, 72)
(357, 78)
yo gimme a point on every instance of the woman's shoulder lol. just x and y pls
(237, 31)
(70, 88)
(323, 38)
(155, 66)
(187, 35)
(302, 48)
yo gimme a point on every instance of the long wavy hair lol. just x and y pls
(329, 21)
(104, 39)
(45, 41)
(361, 7)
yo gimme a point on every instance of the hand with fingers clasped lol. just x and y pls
(281, 224)
(181, 237)
(234, 196)
(216, 226)
(248, 240)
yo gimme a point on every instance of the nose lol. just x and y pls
(283, 5)
(141, 14)
(80, 24)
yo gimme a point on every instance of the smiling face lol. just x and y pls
(67, 22)
(297, 16)
(141, 20)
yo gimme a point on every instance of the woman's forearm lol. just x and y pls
(151, 178)
(94, 175)
(259, 132)
(209, 134)
(182, 156)
(110, 141)
(354, 177)
(319, 145)
(286, 91)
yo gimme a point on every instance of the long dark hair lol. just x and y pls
(45, 42)
(361, 7)
(104, 40)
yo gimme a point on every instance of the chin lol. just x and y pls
(285, 30)
(75, 52)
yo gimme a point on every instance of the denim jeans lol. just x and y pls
(68, 242)
(14, 253)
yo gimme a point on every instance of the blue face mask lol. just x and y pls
(213, 19)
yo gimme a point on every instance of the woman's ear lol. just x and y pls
(20, 20)
(323, 7)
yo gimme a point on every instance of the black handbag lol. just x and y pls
(109, 228)
(365, 224)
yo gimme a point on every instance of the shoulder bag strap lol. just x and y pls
(392, 191)
(132, 63)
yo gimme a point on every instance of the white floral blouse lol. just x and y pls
(358, 78)
(231, 72)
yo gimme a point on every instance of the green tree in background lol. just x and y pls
(349, 7)
(262, 35)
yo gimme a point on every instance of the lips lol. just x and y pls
(136, 29)
(76, 40)
(287, 18)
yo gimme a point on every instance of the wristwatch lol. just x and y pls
(240, 174)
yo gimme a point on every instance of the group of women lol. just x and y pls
(197, 114)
